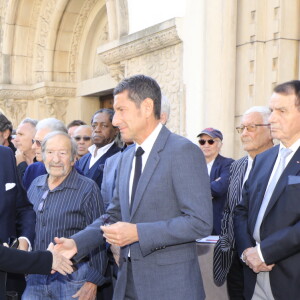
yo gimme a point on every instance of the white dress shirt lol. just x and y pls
(101, 151)
(147, 146)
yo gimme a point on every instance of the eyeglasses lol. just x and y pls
(43, 201)
(203, 142)
(85, 138)
(38, 143)
(250, 128)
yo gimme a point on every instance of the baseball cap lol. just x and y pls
(212, 132)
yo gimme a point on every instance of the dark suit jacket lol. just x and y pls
(17, 217)
(96, 171)
(280, 228)
(172, 208)
(219, 181)
(12, 260)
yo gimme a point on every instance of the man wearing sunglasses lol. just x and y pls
(83, 137)
(210, 141)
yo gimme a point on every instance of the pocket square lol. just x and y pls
(9, 186)
(293, 179)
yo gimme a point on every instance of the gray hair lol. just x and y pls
(55, 133)
(263, 110)
(52, 124)
(30, 121)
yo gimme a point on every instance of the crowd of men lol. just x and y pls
(124, 199)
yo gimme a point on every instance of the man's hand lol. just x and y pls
(116, 253)
(120, 233)
(23, 244)
(20, 157)
(254, 262)
(60, 263)
(66, 247)
(87, 292)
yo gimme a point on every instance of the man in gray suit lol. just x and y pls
(157, 218)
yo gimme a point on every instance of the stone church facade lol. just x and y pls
(62, 58)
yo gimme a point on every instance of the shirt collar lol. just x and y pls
(102, 149)
(294, 147)
(69, 182)
(150, 140)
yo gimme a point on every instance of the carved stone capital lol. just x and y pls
(117, 71)
(53, 107)
(14, 110)
(34, 92)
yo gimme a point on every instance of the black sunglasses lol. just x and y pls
(202, 142)
(85, 138)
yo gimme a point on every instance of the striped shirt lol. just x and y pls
(224, 248)
(65, 210)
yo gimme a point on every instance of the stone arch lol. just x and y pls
(43, 38)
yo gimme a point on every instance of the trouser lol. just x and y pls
(55, 286)
(130, 292)
(235, 279)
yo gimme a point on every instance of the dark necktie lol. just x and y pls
(137, 172)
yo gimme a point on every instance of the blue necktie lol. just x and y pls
(137, 173)
(284, 152)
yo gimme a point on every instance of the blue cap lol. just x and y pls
(212, 132)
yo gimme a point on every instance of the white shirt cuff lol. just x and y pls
(29, 244)
(259, 252)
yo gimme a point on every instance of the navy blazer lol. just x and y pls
(13, 260)
(280, 227)
(219, 182)
(17, 217)
(96, 171)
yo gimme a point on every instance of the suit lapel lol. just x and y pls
(292, 168)
(126, 164)
(214, 168)
(150, 167)
(267, 165)
(97, 168)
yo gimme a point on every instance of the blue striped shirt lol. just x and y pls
(65, 210)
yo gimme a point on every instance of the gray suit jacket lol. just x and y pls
(172, 208)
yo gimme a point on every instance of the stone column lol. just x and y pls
(220, 69)
(210, 62)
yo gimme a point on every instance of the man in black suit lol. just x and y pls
(267, 220)
(40, 262)
(103, 136)
(17, 216)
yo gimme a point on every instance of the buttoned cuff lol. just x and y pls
(96, 277)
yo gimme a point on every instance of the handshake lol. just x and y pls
(62, 253)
